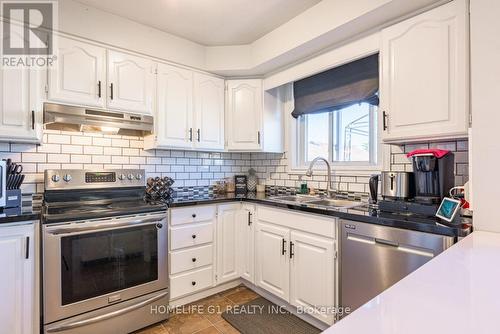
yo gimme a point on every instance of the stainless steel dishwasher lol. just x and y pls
(374, 257)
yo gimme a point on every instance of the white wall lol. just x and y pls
(485, 90)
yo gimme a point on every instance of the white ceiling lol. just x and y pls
(208, 22)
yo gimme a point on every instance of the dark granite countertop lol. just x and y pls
(20, 215)
(366, 213)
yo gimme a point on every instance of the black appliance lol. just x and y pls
(434, 176)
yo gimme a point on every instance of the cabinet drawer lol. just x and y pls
(187, 236)
(307, 222)
(192, 214)
(189, 259)
(191, 282)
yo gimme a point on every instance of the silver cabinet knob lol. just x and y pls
(67, 177)
(121, 176)
(130, 177)
(56, 178)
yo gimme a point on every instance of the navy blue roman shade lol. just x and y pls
(340, 87)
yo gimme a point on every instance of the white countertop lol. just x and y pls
(456, 292)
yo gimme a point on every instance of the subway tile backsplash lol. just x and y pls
(77, 150)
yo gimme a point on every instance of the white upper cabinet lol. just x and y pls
(21, 110)
(131, 82)
(424, 92)
(174, 110)
(244, 115)
(189, 110)
(79, 74)
(21, 107)
(209, 112)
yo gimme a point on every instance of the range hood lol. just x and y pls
(71, 118)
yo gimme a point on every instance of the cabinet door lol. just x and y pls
(17, 282)
(245, 222)
(174, 115)
(209, 112)
(20, 106)
(312, 274)
(79, 74)
(273, 273)
(244, 114)
(227, 242)
(20, 110)
(425, 75)
(131, 83)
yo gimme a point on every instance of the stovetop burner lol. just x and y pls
(85, 200)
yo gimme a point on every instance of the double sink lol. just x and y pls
(331, 203)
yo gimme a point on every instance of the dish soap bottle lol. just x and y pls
(303, 186)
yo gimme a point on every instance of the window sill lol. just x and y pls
(339, 170)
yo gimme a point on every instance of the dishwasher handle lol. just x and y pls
(386, 242)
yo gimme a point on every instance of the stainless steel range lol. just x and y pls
(104, 253)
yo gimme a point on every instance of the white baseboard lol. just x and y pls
(203, 294)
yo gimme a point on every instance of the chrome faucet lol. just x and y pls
(309, 173)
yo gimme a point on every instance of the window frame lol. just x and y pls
(297, 152)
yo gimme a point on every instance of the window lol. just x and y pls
(346, 136)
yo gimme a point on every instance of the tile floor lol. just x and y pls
(205, 315)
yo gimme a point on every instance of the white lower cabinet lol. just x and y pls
(272, 260)
(191, 265)
(192, 258)
(291, 255)
(18, 281)
(246, 242)
(312, 274)
(295, 265)
(191, 282)
(235, 242)
(227, 242)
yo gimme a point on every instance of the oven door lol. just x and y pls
(92, 264)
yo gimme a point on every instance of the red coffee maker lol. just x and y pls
(434, 174)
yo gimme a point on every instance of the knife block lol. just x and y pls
(13, 198)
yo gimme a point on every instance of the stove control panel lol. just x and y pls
(88, 179)
(93, 177)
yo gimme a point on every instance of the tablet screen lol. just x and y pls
(447, 208)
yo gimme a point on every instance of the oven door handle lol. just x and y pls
(106, 316)
(102, 226)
